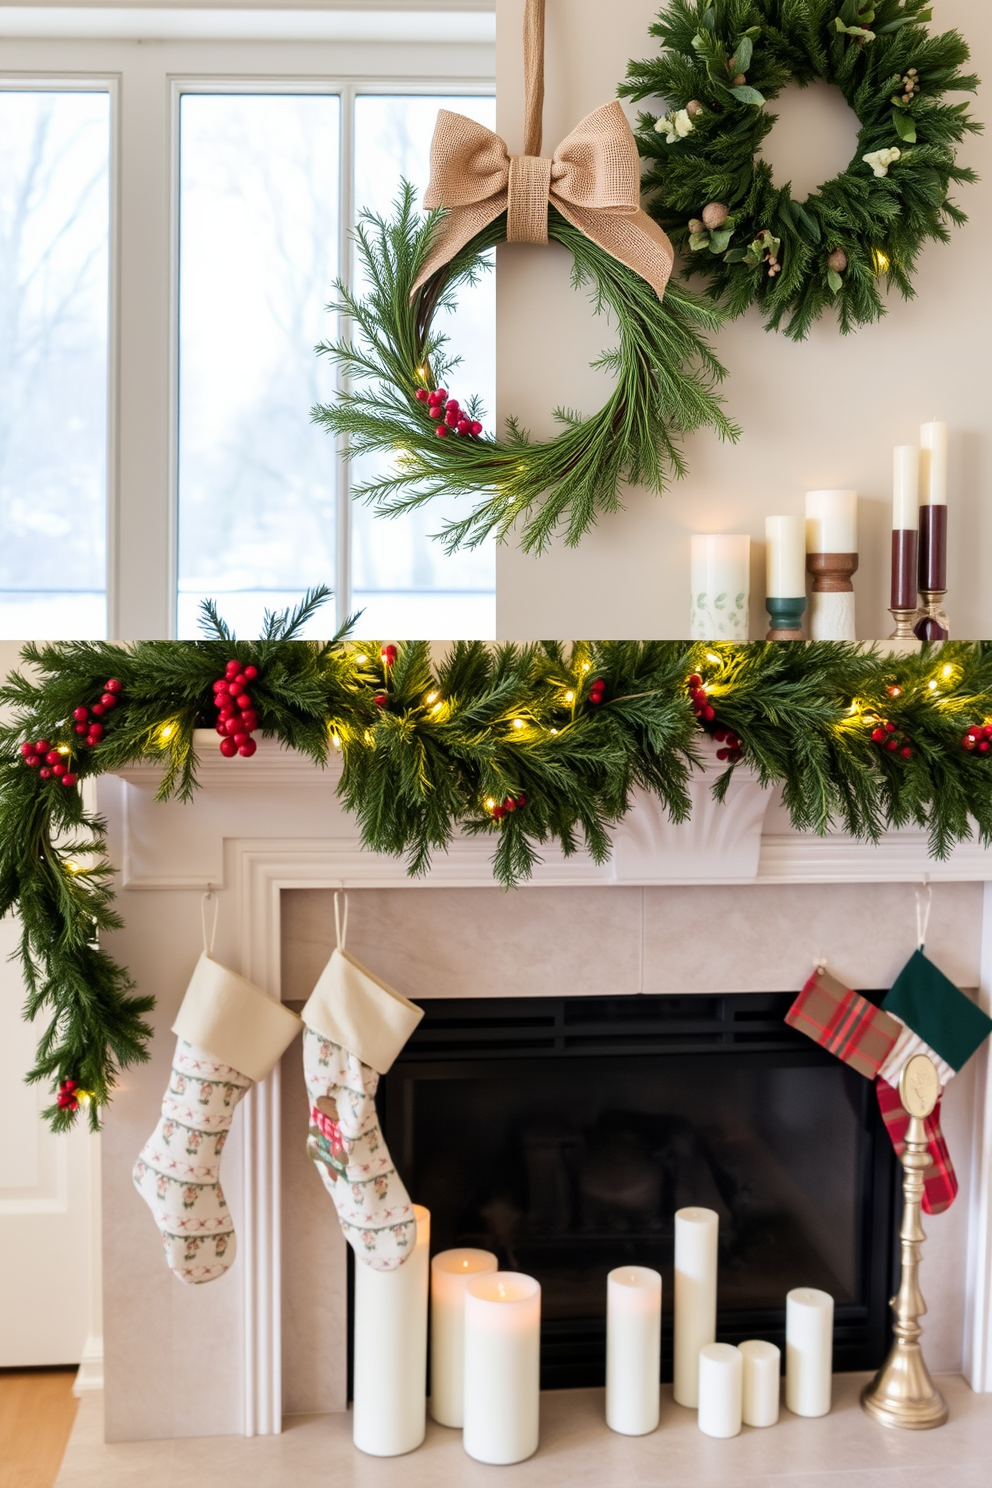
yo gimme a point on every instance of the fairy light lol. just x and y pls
(421, 371)
(947, 670)
(437, 707)
(587, 666)
(490, 803)
(432, 697)
(881, 260)
(712, 656)
(553, 731)
(932, 685)
(895, 690)
(570, 696)
(166, 731)
(362, 660)
(64, 749)
(336, 741)
(518, 723)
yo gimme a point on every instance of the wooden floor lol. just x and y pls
(37, 1409)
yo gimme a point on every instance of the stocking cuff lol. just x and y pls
(353, 1008)
(234, 1020)
(906, 1045)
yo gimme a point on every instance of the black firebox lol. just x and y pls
(563, 1134)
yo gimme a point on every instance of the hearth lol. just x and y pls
(563, 1133)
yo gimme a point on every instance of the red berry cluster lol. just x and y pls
(49, 761)
(978, 738)
(67, 1098)
(237, 719)
(388, 654)
(732, 750)
(449, 417)
(512, 803)
(597, 690)
(892, 739)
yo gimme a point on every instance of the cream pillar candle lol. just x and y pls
(696, 1236)
(785, 558)
(831, 521)
(451, 1272)
(720, 581)
(721, 1376)
(809, 1345)
(502, 1367)
(390, 1370)
(762, 1382)
(633, 1349)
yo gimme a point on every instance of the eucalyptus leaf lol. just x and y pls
(698, 241)
(734, 255)
(746, 94)
(835, 281)
(905, 127)
(742, 54)
(720, 239)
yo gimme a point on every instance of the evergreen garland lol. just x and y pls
(665, 379)
(525, 744)
(721, 63)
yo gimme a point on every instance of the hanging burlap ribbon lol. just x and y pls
(593, 179)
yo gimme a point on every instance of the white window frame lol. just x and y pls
(146, 83)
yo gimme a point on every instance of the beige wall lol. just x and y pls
(824, 413)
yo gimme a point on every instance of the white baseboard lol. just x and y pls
(89, 1376)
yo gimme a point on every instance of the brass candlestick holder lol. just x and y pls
(905, 620)
(902, 1392)
(932, 623)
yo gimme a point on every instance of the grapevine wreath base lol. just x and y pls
(528, 745)
(722, 62)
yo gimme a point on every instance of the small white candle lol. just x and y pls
(633, 1349)
(451, 1272)
(831, 521)
(905, 488)
(720, 582)
(809, 1346)
(785, 558)
(721, 1373)
(933, 464)
(696, 1237)
(390, 1371)
(762, 1382)
(502, 1367)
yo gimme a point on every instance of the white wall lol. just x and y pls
(824, 413)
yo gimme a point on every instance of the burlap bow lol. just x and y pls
(593, 179)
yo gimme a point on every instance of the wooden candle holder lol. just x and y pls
(785, 619)
(831, 615)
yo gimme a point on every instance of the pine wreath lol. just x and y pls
(666, 375)
(721, 63)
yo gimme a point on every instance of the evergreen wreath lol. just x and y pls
(525, 744)
(721, 62)
(665, 372)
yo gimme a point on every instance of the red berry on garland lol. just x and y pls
(878, 735)
(58, 769)
(906, 752)
(250, 721)
(81, 714)
(389, 654)
(247, 749)
(27, 748)
(890, 728)
(68, 778)
(968, 742)
(498, 813)
(220, 685)
(521, 799)
(709, 714)
(233, 668)
(442, 395)
(45, 773)
(476, 428)
(251, 672)
(463, 426)
(240, 682)
(694, 680)
(452, 405)
(244, 701)
(441, 432)
(81, 728)
(699, 696)
(509, 804)
(228, 748)
(451, 418)
(95, 734)
(893, 744)
(987, 731)
(109, 701)
(240, 738)
(32, 760)
(112, 685)
(723, 754)
(984, 747)
(221, 728)
(380, 699)
(422, 395)
(42, 746)
(233, 688)
(52, 757)
(98, 710)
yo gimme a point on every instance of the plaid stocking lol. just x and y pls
(940, 1182)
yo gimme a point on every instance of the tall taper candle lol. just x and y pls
(502, 1367)
(809, 1346)
(905, 526)
(933, 507)
(633, 1349)
(720, 581)
(696, 1238)
(451, 1272)
(390, 1371)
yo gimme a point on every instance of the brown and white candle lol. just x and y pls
(832, 557)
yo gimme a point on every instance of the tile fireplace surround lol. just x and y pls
(733, 901)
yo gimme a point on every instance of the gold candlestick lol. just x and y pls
(904, 625)
(902, 1392)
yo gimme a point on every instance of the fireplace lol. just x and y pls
(563, 1133)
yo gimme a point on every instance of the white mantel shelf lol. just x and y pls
(745, 839)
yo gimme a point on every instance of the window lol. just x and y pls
(151, 456)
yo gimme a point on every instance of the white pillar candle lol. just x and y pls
(809, 1347)
(502, 1367)
(633, 1349)
(762, 1382)
(451, 1272)
(905, 488)
(390, 1371)
(721, 1375)
(696, 1236)
(720, 580)
(785, 558)
(831, 521)
(933, 464)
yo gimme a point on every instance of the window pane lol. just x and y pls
(257, 256)
(54, 264)
(404, 581)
